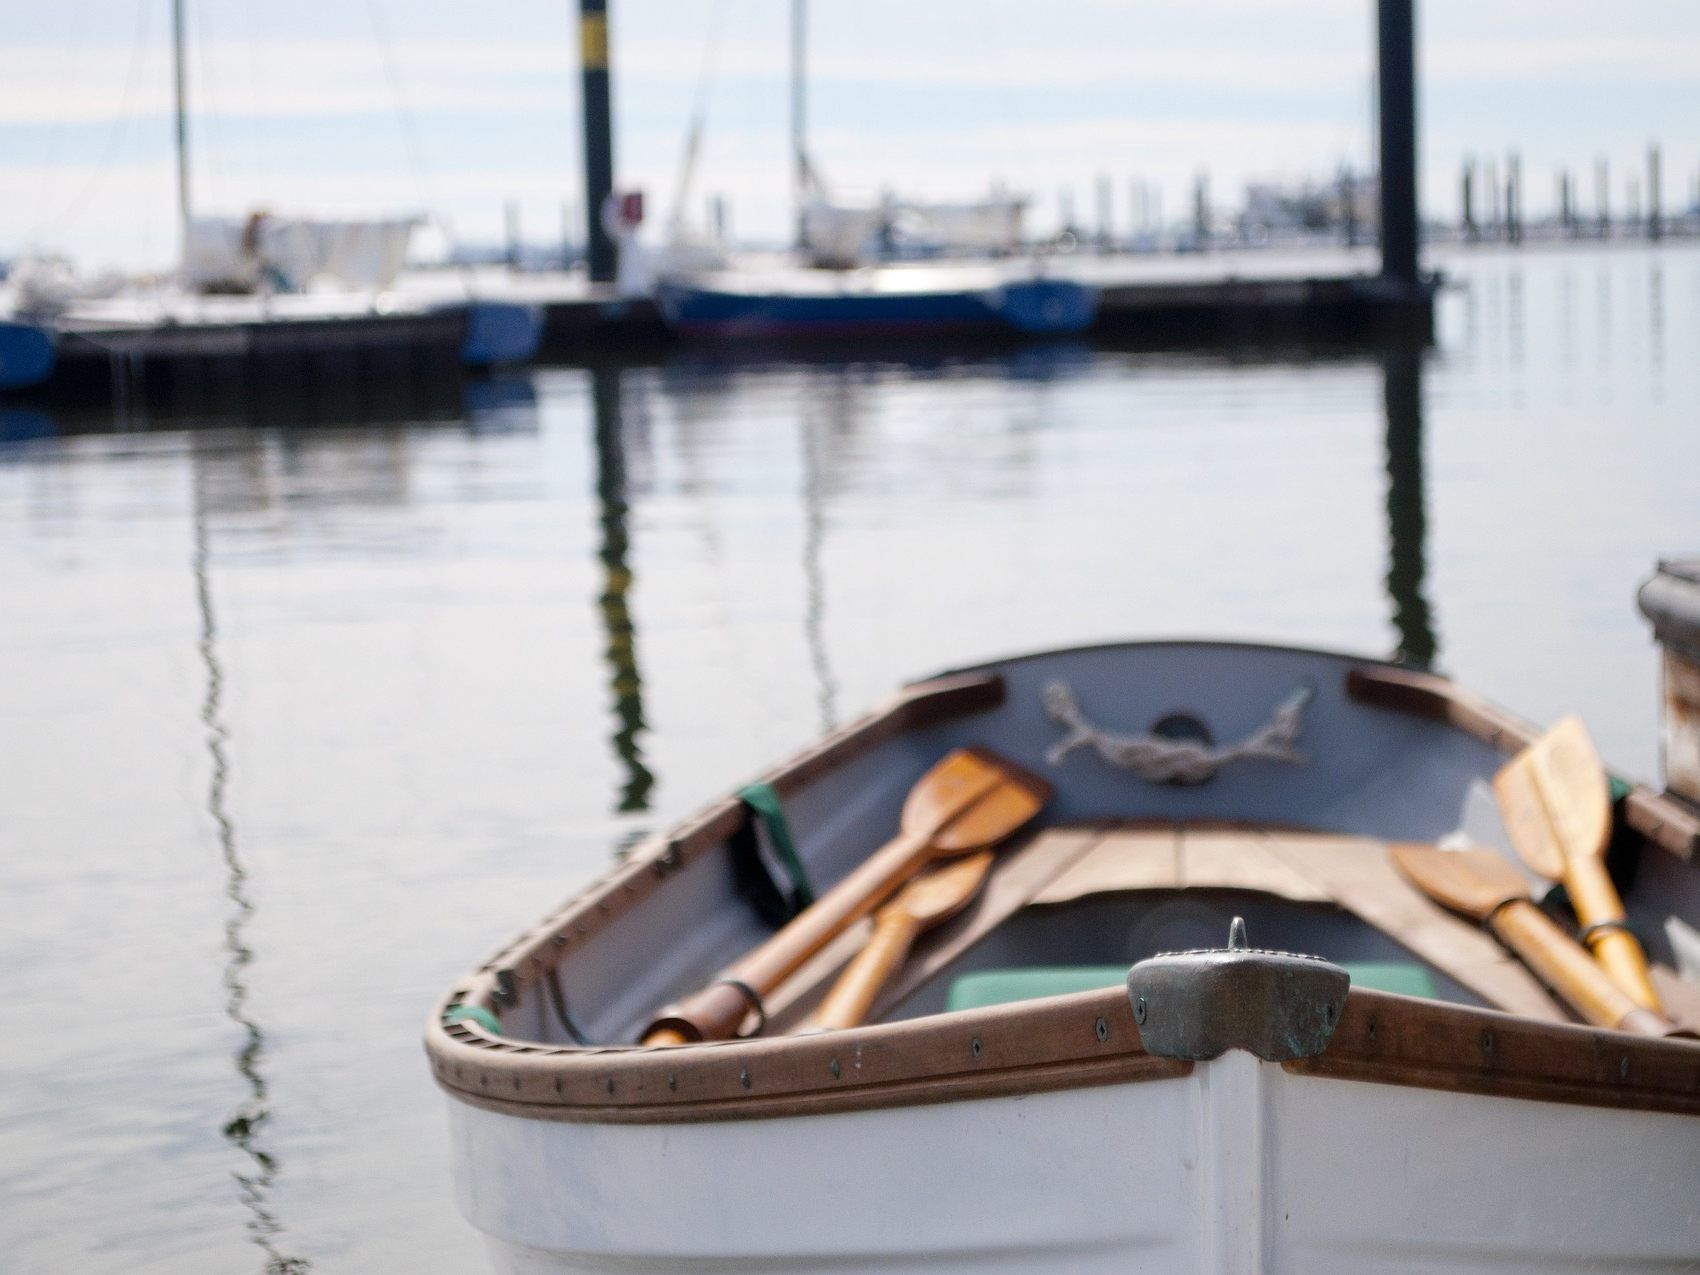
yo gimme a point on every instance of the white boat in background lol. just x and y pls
(1058, 1080)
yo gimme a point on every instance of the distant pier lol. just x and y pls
(1147, 301)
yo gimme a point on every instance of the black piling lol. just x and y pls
(1396, 49)
(1467, 201)
(598, 137)
(1655, 217)
(510, 221)
(1513, 198)
(1602, 194)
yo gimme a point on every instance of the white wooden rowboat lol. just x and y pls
(1201, 1114)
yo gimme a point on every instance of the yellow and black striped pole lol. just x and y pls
(598, 136)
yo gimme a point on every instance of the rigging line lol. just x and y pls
(55, 134)
(406, 120)
(699, 117)
(409, 126)
(121, 126)
(243, 1128)
(259, 88)
(204, 175)
(983, 25)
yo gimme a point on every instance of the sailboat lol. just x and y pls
(839, 295)
(254, 288)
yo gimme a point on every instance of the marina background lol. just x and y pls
(305, 681)
(295, 712)
(456, 110)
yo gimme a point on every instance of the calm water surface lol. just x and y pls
(296, 724)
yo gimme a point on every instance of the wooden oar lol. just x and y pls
(1485, 887)
(1557, 808)
(969, 801)
(930, 899)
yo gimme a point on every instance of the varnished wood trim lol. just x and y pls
(1397, 1040)
(653, 861)
(1658, 818)
(1059, 1043)
(1053, 1044)
(1663, 821)
(1441, 700)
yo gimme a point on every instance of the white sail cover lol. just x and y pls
(291, 254)
(987, 225)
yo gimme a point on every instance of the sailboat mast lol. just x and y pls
(182, 118)
(799, 158)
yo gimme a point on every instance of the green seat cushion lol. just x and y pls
(1407, 978)
(1002, 987)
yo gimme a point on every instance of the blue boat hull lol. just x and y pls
(500, 332)
(27, 355)
(1034, 307)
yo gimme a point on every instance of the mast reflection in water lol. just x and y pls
(1407, 518)
(613, 552)
(245, 1127)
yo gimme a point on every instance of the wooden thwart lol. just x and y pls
(1351, 873)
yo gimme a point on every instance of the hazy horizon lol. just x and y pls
(382, 107)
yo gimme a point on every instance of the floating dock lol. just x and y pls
(1177, 301)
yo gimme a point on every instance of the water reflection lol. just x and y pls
(818, 436)
(1656, 320)
(613, 552)
(1407, 518)
(245, 1127)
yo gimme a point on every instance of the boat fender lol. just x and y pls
(769, 873)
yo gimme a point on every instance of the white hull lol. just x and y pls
(1239, 1167)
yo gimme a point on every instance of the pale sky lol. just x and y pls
(365, 107)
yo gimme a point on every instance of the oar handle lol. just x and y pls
(715, 1012)
(1565, 966)
(1600, 909)
(848, 1002)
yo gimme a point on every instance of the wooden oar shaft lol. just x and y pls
(848, 1002)
(715, 1012)
(1563, 965)
(1597, 903)
(863, 889)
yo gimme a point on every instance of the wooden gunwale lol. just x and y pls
(1656, 817)
(1058, 1043)
(539, 949)
(1054, 1044)
(1399, 1040)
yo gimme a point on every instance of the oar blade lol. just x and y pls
(1573, 787)
(943, 891)
(1525, 817)
(1474, 882)
(972, 799)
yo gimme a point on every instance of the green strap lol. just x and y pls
(475, 1014)
(1620, 788)
(765, 802)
